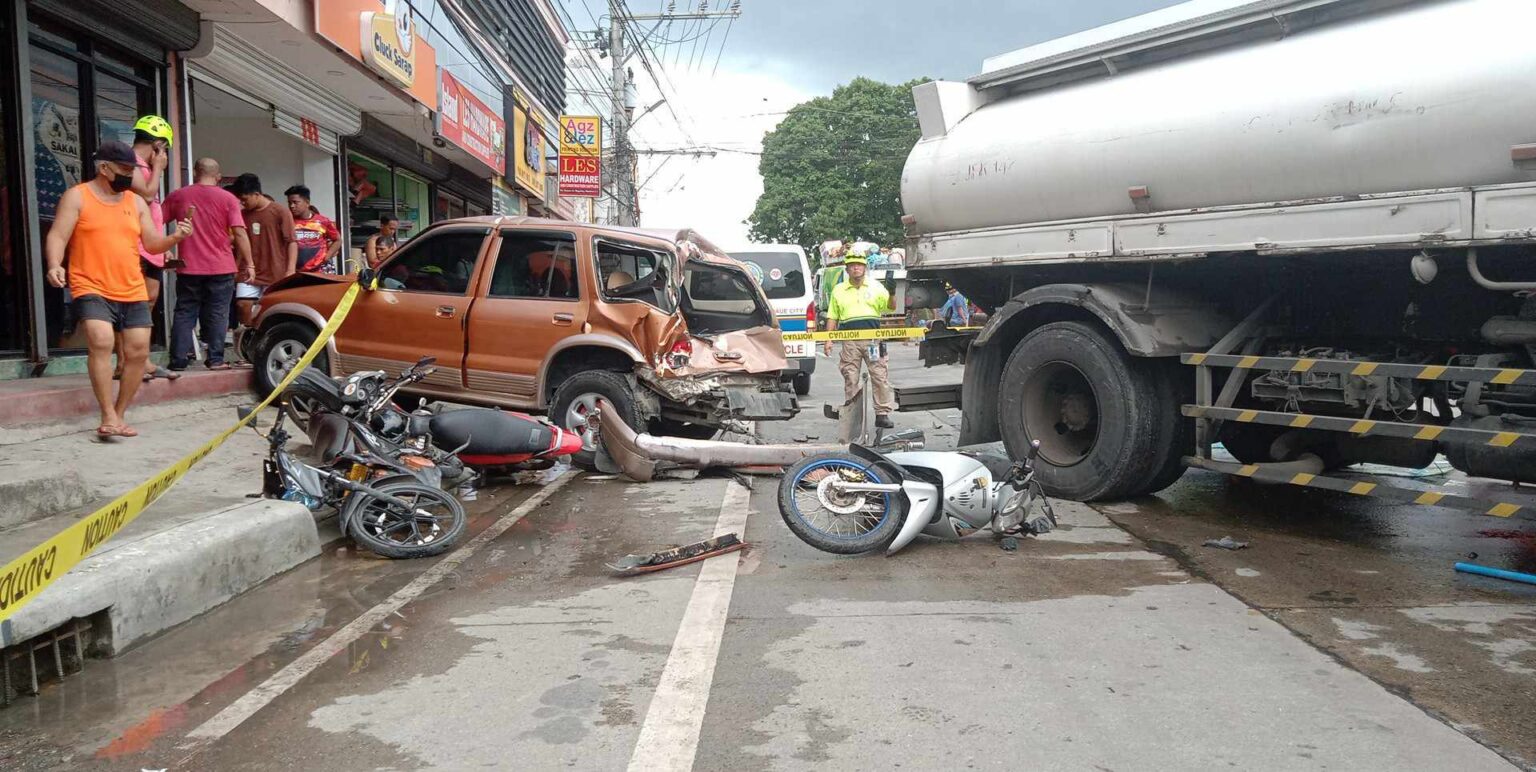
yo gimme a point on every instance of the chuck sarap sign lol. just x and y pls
(383, 36)
(467, 122)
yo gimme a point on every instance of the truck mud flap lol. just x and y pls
(919, 398)
(943, 346)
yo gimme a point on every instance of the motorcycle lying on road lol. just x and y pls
(393, 509)
(864, 500)
(485, 441)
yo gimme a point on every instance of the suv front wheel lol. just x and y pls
(279, 349)
(575, 401)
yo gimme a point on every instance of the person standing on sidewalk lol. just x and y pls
(857, 304)
(274, 251)
(100, 226)
(152, 144)
(382, 244)
(205, 285)
(318, 238)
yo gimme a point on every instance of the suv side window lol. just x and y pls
(628, 272)
(541, 265)
(440, 262)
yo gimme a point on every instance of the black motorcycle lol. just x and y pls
(395, 509)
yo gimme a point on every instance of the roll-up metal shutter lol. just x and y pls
(307, 130)
(145, 27)
(385, 143)
(462, 182)
(227, 58)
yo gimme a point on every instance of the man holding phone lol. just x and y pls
(205, 285)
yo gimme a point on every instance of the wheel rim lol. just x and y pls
(1061, 410)
(577, 418)
(850, 515)
(430, 518)
(281, 359)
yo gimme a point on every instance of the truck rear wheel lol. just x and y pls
(1174, 386)
(1093, 410)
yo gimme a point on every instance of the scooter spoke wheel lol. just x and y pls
(831, 519)
(434, 522)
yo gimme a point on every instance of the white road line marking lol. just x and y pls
(669, 738)
(254, 700)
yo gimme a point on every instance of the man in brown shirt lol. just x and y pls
(274, 251)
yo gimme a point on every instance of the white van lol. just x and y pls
(785, 275)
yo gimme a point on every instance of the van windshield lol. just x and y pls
(781, 273)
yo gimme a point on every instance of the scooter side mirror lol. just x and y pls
(244, 411)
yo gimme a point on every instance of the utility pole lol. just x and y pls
(626, 193)
(623, 175)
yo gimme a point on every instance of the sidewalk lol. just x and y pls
(199, 545)
(31, 402)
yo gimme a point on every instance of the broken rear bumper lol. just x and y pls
(713, 399)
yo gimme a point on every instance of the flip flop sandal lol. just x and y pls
(106, 432)
(161, 372)
(220, 366)
(125, 430)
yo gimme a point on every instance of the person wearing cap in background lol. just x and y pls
(152, 144)
(957, 310)
(857, 304)
(100, 225)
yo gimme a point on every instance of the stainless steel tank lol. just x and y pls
(1433, 95)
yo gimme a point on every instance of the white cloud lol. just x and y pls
(728, 111)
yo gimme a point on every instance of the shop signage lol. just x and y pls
(468, 123)
(389, 44)
(581, 154)
(528, 160)
(382, 35)
(504, 202)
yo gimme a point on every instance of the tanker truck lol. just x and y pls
(1302, 229)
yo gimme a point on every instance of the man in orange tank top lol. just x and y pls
(100, 224)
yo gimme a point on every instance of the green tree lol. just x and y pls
(832, 167)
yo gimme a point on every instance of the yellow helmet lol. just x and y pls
(156, 127)
(856, 259)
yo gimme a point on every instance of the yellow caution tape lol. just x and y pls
(885, 334)
(24, 578)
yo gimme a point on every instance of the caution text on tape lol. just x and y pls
(24, 578)
(888, 334)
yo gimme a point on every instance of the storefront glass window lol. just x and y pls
(13, 278)
(414, 200)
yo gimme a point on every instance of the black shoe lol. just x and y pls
(884, 422)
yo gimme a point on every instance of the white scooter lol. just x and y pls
(862, 500)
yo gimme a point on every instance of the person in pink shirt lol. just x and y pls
(151, 144)
(205, 284)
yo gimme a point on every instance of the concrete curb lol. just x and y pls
(163, 579)
(40, 400)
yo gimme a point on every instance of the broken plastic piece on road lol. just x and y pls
(632, 565)
(1226, 543)
(1009, 543)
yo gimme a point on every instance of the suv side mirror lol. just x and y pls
(366, 277)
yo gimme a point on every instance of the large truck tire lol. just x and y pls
(1174, 387)
(1094, 411)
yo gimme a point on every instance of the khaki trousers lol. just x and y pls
(855, 353)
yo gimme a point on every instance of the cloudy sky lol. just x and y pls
(781, 52)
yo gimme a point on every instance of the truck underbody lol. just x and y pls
(1385, 348)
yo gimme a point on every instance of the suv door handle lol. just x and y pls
(563, 318)
(446, 312)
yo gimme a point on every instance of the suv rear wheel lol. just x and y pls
(576, 400)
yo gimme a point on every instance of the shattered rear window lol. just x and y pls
(718, 299)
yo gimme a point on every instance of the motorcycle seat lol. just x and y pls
(490, 433)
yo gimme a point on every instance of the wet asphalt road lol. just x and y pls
(1340, 638)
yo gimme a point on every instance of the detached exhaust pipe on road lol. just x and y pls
(641, 456)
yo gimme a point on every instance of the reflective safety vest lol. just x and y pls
(850, 303)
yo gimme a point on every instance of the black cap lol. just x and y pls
(116, 152)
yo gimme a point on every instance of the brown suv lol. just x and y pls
(548, 316)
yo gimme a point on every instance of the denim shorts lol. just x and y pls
(123, 315)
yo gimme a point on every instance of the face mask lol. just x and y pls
(121, 182)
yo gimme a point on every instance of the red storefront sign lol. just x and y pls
(581, 176)
(468, 123)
